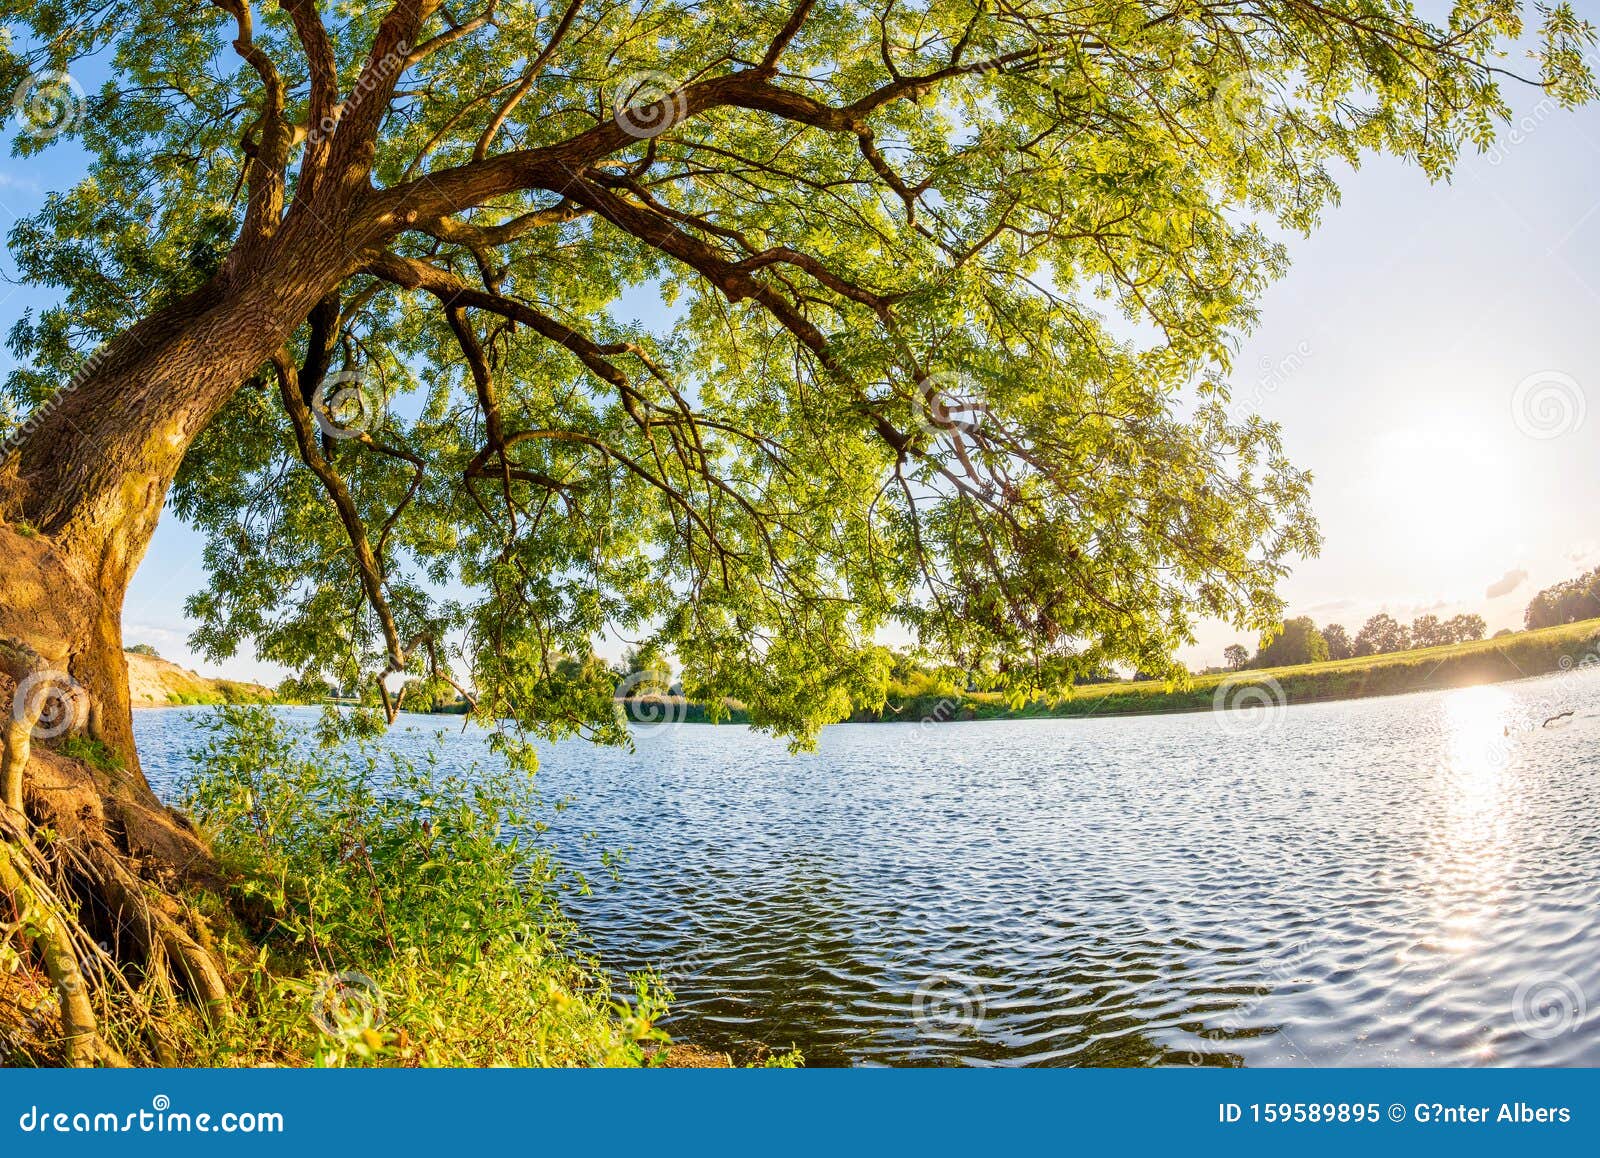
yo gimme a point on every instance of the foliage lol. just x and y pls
(144, 649)
(645, 671)
(883, 393)
(1565, 602)
(92, 752)
(1299, 642)
(1380, 634)
(1383, 634)
(1506, 657)
(1235, 656)
(424, 918)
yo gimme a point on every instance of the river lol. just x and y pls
(1412, 880)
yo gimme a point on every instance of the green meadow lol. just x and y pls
(1509, 657)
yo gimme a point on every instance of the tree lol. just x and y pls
(144, 649)
(1465, 628)
(1381, 634)
(1565, 602)
(1235, 656)
(1427, 631)
(1298, 642)
(883, 232)
(1338, 641)
(645, 672)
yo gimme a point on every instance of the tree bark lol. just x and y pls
(81, 490)
(91, 471)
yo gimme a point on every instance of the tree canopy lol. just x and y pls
(1565, 602)
(1298, 642)
(951, 290)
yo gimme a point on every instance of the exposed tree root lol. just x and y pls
(91, 862)
(48, 920)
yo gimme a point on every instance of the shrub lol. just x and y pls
(405, 916)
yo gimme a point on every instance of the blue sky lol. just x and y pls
(1432, 356)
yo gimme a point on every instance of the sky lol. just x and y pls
(1432, 357)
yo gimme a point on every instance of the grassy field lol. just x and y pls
(1526, 653)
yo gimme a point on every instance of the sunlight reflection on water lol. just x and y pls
(1412, 880)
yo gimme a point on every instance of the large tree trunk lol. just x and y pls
(80, 494)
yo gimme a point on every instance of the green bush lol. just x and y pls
(405, 917)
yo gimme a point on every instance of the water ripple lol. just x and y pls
(1405, 881)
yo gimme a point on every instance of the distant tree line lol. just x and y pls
(1301, 641)
(1565, 602)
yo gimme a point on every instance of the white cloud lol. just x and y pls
(1506, 584)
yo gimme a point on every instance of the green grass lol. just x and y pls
(1526, 653)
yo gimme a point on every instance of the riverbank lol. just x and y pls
(154, 682)
(1509, 657)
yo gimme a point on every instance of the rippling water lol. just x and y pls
(1404, 881)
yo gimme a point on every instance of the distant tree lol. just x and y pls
(645, 671)
(1428, 631)
(299, 690)
(1565, 602)
(1235, 656)
(1299, 642)
(1338, 639)
(1503, 632)
(1099, 675)
(1465, 628)
(144, 649)
(1381, 634)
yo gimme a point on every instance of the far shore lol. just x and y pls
(1509, 657)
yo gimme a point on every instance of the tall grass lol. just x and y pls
(394, 913)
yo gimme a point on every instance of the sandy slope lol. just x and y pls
(159, 683)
